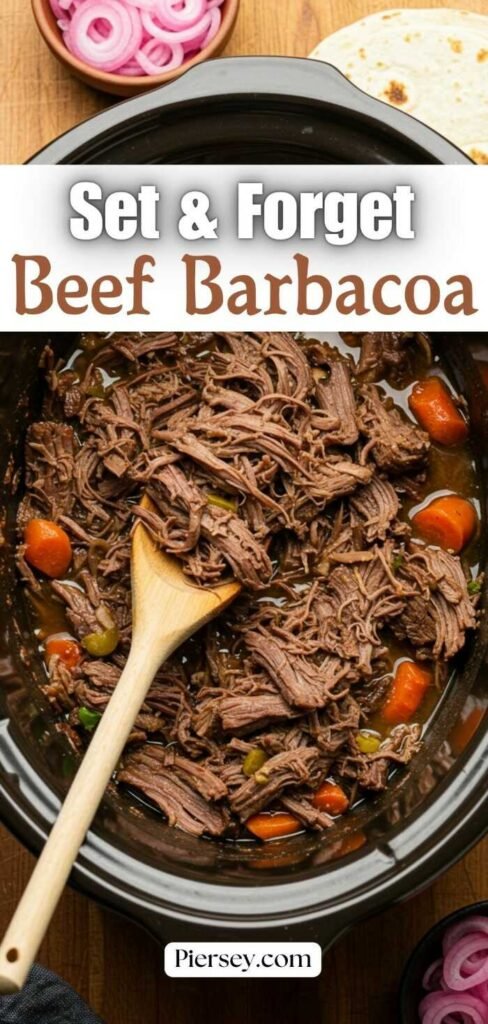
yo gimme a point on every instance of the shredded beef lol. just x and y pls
(386, 354)
(303, 809)
(177, 791)
(49, 462)
(440, 610)
(273, 459)
(376, 508)
(291, 768)
(403, 743)
(397, 445)
(297, 679)
(240, 713)
(336, 397)
(182, 517)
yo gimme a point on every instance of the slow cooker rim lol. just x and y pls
(305, 79)
(153, 896)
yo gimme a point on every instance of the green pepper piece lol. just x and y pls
(474, 586)
(229, 504)
(367, 742)
(397, 562)
(253, 761)
(89, 719)
(96, 391)
(68, 765)
(100, 645)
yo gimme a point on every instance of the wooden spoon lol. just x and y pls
(167, 609)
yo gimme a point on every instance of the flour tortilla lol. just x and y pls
(432, 64)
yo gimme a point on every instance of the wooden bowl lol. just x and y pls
(119, 85)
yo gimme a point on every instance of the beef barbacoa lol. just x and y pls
(284, 462)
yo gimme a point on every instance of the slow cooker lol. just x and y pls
(310, 886)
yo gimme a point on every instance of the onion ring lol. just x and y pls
(110, 52)
(174, 19)
(155, 57)
(137, 37)
(184, 36)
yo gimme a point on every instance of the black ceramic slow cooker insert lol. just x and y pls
(253, 110)
(179, 887)
(313, 885)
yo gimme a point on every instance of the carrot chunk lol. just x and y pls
(47, 547)
(465, 729)
(273, 826)
(350, 844)
(68, 650)
(449, 522)
(331, 798)
(409, 687)
(436, 411)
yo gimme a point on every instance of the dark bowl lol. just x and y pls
(258, 110)
(428, 950)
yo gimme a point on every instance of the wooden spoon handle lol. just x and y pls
(41, 896)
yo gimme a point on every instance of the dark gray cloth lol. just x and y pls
(45, 999)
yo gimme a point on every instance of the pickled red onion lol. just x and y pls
(199, 42)
(457, 984)
(481, 992)
(174, 19)
(215, 20)
(461, 928)
(438, 1006)
(144, 5)
(459, 974)
(107, 53)
(432, 978)
(130, 70)
(137, 37)
(152, 24)
(155, 57)
(57, 9)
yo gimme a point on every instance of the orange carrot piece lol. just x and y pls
(409, 687)
(47, 547)
(449, 522)
(350, 844)
(68, 650)
(465, 729)
(434, 408)
(273, 826)
(331, 798)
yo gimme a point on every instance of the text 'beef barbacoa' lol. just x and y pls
(281, 461)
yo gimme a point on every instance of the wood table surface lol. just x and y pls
(39, 100)
(114, 965)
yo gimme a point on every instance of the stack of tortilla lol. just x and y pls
(432, 64)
